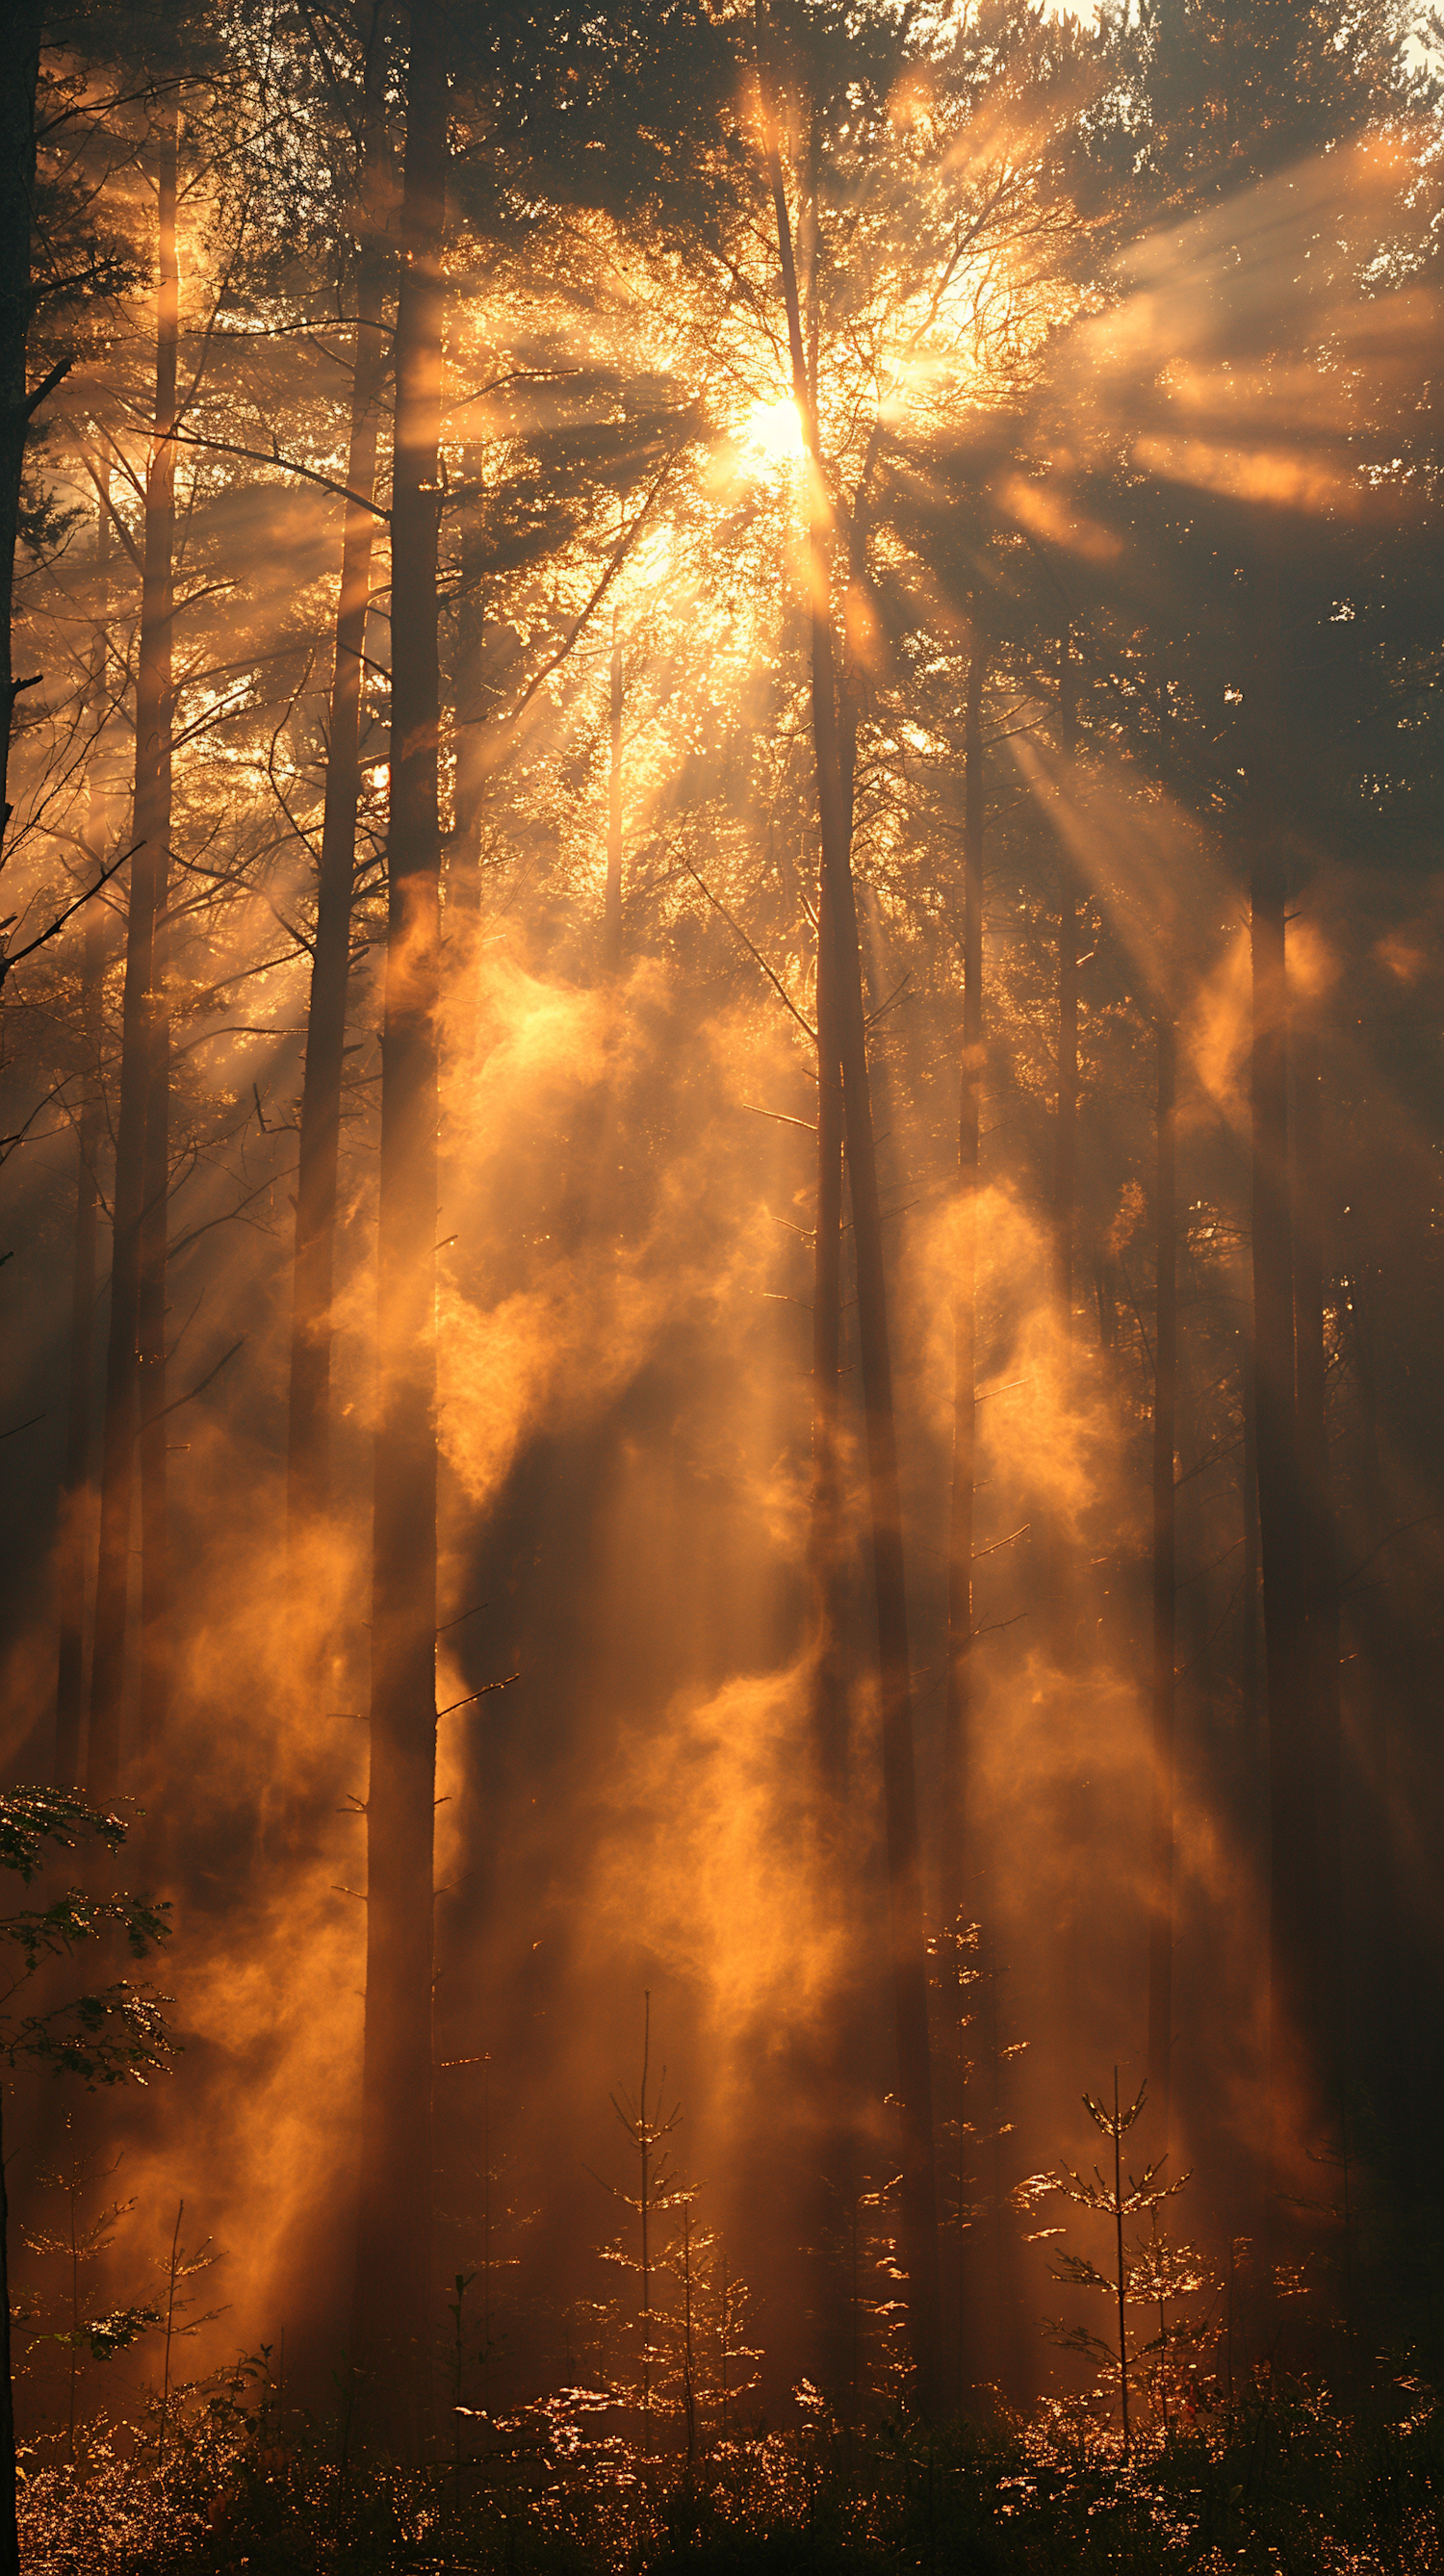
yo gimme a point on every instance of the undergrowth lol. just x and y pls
(1286, 2484)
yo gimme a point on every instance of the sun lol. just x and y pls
(774, 429)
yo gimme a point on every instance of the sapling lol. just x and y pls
(686, 2259)
(83, 2243)
(736, 2377)
(1117, 2200)
(955, 1973)
(180, 2265)
(456, 2310)
(484, 2228)
(647, 2130)
(865, 2247)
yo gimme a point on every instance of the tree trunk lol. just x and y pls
(826, 1521)
(1165, 1405)
(308, 1460)
(1248, 1647)
(958, 1698)
(1320, 1582)
(908, 1941)
(1065, 1131)
(612, 927)
(153, 813)
(472, 703)
(76, 1504)
(1057, 1553)
(1291, 1816)
(138, 1248)
(394, 2280)
(19, 73)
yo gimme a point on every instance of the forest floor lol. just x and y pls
(1289, 2483)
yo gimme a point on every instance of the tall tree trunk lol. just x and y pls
(1321, 1588)
(1057, 1549)
(909, 1951)
(1291, 1807)
(308, 1443)
(1065, 1127)
(1248, 1625)
(826, 1520)
(479, 663)
(394, 2279)
(1165, 1407)
(77, 1492)
(612, 926)
(19, 73)
(140, 1141)
(958, 1695)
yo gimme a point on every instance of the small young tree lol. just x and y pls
(79, 2242)
(647, 2127)
(863, 2245)
(737, 2357)
(1117, 2199)
(107, 2034)
(181, 2263)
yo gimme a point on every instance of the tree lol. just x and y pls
(919, 2187)
(394, 2252)
(19, 75)
(1116, 2201)
(135, 1354)
(320, 1124)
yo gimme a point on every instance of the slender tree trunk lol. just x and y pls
(1057, 1549)
(77, 1493)
(19, 73)
(1165, 1404)
(155, 1584)
(153, 799)
(825, 1527)
(395, 2221)
(1065, 1130)
(137, 1259)
(958, 1695)
(909, 1952)
(476, 698)
(1321, 1591)
(1249, 1603)
(308, 1458)
(1291, 1808)
(612, 927)
(153, 818)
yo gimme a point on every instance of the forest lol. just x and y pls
(721, 991)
